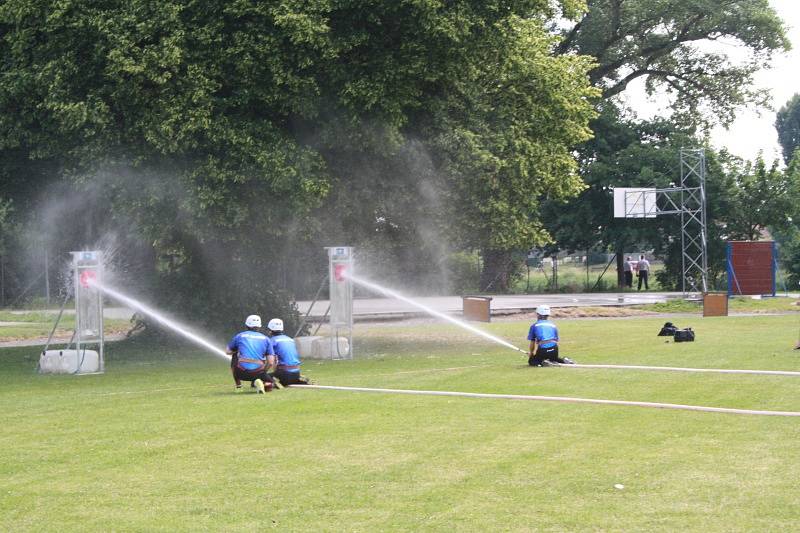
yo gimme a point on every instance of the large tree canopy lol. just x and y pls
(669, 44)
(506, 134)
(227, 134)
(218, 130)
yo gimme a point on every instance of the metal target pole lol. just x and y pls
(340, 268)
(87, 267)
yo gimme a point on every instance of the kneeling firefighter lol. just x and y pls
(287, 370)
(543, 350)
(251, 354)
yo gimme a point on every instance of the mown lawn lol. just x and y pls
(22, 325)
(160, 442)
(736, 304)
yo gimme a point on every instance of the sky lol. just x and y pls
(754, 129)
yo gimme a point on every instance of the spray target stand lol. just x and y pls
(339, 312)
(87, 272)
(689, 202)
(340, 267)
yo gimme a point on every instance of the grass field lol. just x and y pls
(736, 304)
(160, 442)
(21, 325)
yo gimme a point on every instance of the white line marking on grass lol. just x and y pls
(449, 369)
(558, 399)
(680, 369)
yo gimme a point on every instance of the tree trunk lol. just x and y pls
(496, 271)
(620, 269)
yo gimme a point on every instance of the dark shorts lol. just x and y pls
(289, 378)
(244, 375)
(549, 354)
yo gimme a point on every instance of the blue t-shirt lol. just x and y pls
(252, 348)
(286, 351)
(544, 332)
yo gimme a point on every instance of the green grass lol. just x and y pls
(160, 442)
(38, 324)
(736, 304)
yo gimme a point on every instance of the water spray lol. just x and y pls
(163, 320)
(394, 294)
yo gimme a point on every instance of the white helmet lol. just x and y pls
(276, 324)
(253, 321)
(543, 310)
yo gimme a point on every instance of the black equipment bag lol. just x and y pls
(684, 335)
(668, 330)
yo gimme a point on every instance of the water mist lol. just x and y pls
(163, 320)
(394, 294)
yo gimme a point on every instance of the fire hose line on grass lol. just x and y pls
(558, 399)
(681, 369)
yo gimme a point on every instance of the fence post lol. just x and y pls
(587, 269)
(46, 276)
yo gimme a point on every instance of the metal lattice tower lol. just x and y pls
(694, 256)
(689, 201)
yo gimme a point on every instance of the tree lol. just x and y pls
(791, 257)
(787, 122)
(175, 113)
(505, 135)
(6, 232)
(760, 198)
(217, 131)
(668, 44)
(785, 230)
(467, 165)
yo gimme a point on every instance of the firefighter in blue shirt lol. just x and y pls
(287, 369)
(543, 350)
(251, 355)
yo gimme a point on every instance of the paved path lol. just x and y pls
(507, 303)
(55, 344)
(122, 313)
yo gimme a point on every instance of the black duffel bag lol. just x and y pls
(668, 330)
(684, 335)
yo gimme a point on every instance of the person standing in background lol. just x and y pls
(643, 271)
(627, 268)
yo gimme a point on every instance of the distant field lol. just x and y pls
(160, 442)
(573, 277)
(22, 325)
(736, 304)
